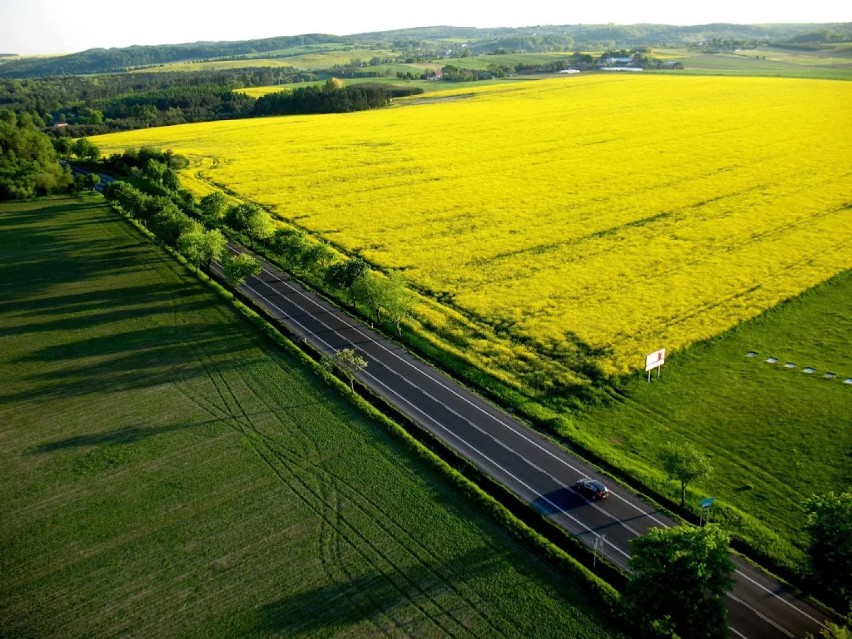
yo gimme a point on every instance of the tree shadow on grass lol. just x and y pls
(380, 598)
(128, 435)
(56, 263)
(140, 296)
(130, 360)
(82, 318)
(35, 213)
(43, 247)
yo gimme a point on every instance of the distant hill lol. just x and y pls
(121, 59)
(528, 39)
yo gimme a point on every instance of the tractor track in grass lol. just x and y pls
(336, 530)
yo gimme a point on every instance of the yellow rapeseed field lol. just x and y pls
(619, 213)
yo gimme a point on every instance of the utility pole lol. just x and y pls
(599, 540)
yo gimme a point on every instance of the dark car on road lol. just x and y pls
(591, 488)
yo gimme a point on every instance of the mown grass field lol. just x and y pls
(775, 435)
(164, 471)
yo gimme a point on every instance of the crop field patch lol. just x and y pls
(613, 215)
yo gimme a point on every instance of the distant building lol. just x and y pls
(570, 71)
(611, 60)
(621, 68)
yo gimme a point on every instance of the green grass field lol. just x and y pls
(308, 58)
(776, 435)
(482, 62)
(832, 64)
(165, 471)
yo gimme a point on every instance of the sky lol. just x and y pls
(30, 27)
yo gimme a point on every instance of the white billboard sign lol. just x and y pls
(655, 359)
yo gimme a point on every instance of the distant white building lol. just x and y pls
(617, 60)
(570, 71)
(621, 69)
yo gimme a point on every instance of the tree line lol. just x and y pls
(81, 105)
(330, 98)
(194, 228)
(680, 576)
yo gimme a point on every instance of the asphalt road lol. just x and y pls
(104, 178)
(531, 466)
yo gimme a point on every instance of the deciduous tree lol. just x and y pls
(317, 256)
(288, 244)
(397, 298)
(370, 288)
(169, 223)
(85, 150)
(680, 578)
(202, 247)
(684, 463)
(214, 248)
(346, 274)
(237, 217)
(86, 181)
(830, 548)
(191, 246)
(213, 206)
(347, 361)
(259, 225)
(238, 268)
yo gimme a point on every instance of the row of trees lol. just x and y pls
(330, 98)
(454, 73)
(381, 294)
(170, 213)
(121, 59)
(199, 245)
(81, 105)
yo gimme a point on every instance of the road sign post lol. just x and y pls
(706, 504)
(598, 542)
(655, 360)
